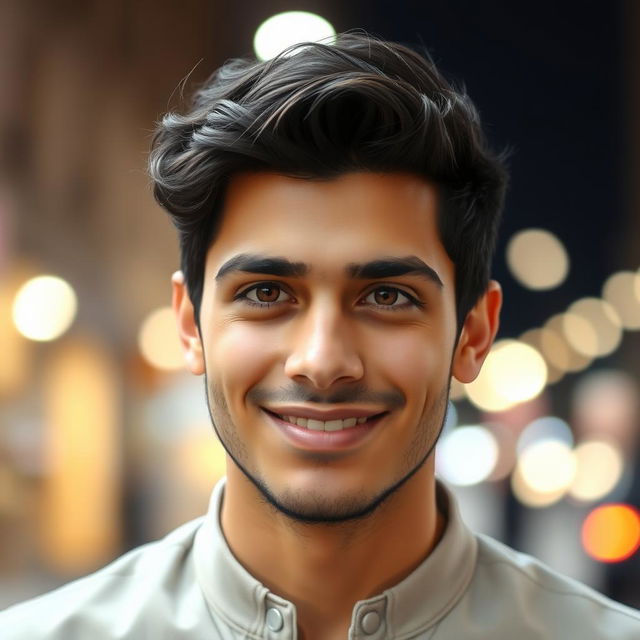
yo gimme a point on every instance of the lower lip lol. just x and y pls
(325, 440)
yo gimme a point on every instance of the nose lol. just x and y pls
(323, 350)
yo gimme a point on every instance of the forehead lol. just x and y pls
(354, 217)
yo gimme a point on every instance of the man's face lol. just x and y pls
(328, 329)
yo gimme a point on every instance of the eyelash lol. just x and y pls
(243, 295)
(411, 300)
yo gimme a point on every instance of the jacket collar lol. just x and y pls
(414, 604)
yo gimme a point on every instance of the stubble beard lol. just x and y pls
(304, 507)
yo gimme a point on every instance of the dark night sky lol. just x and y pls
(547, 79)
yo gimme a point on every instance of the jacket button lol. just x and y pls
(370, 622)
(275, 621)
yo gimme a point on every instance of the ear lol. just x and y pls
(187, 327)
(477, 335)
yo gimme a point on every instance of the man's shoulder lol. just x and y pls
(519, 590)
(105, 604)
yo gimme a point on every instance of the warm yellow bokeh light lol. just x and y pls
(44, 308)
(158, 340)
(534, 338)
(554, 349)
(622, 292)
(611, 533)
(529, 497)
(547, 466)
(80, 502)
(512, 373)
(599, 469)
(592, 327)
(286, 29)
(558, 350)
(537, 259)
(201, 459)
(580, 334)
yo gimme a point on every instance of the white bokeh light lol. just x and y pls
(289, 28)
(44, 308)
(467, 455)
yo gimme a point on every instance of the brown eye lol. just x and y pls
(267, 293)
(390, 298)
(385, 296)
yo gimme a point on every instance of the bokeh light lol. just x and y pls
(44, 308)
(544, 472)
(545, 428)
(605, 407)
(537, 259)
(506, 440)
(622, 292)
(201, 458)
(592, 327)
(529, 496)
(451, 418)
(456, 390)
(599, 469)
(611, 532)
(512, 373)
(286, 29)
(539, 339)
(466, 455)
(158, 340)
(556, 347)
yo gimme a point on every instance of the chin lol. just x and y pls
(315, 507)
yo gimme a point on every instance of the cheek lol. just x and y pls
(239, 356)
(413, 361)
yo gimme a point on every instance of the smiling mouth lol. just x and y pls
(326, 425)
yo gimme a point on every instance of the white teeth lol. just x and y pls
(327, 425)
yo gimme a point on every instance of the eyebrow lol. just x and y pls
(392, 267)
(252, 263)
(374, 270)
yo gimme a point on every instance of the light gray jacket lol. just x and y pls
(189, 586)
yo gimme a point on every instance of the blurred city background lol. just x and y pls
(105, 442)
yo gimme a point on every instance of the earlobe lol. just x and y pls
(187, 326)
(477, 335)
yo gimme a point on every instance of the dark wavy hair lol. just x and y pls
(321, 110)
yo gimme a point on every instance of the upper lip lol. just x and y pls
(341, 413)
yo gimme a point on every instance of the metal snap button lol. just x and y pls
(275, 621)
(370, 622)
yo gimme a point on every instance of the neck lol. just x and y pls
(325, 569)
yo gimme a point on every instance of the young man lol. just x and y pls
(337, 209)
